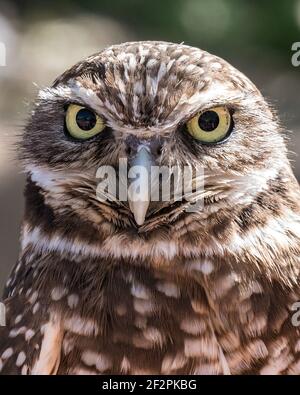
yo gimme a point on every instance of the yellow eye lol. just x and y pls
(83, 123)
(211, 126)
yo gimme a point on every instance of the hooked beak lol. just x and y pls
(139, 190)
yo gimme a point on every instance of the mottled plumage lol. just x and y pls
(206, 292)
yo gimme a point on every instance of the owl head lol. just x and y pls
(149, 103)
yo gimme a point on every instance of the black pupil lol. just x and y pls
(86, 119)
(208, 121)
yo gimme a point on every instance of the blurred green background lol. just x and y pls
(43, 38)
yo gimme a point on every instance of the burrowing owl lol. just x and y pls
(152, 287)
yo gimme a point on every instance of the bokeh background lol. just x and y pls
(43, 38)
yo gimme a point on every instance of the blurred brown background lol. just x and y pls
(42, 39)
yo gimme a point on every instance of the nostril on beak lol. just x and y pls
(159, 151)
(133, 144)
(156, 148)
(128, 150)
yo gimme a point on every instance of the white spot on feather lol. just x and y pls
(154, 336)
(200, 347)
(193, 326)
(101, 361)
(7, 353)
(168, 288)
(33, 297)
(21, 359)
(172, 363)
(17, 331)
(143, 306)
(36, 307)
(57, 293)
(125, 365)
(81, 326)
(18, 318)
(206, 266)
(139, 291)
(73, 300)
(29, 334)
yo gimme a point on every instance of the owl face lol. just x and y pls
(179, 105)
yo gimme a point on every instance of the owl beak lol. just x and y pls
(139, 183)
(139, 210)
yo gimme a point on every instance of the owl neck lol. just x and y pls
(249, 241)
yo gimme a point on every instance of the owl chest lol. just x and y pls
(150, 326)
(141, 321)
